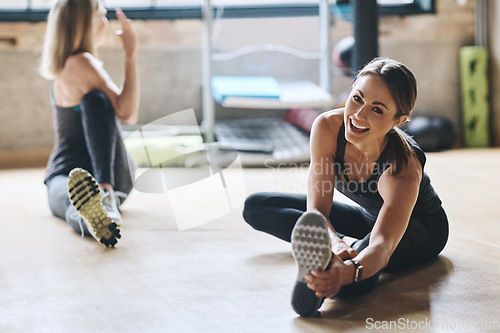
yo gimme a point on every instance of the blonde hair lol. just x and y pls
(69, 31)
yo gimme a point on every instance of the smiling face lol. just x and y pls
(370, 111)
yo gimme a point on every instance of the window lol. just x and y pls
(36, 10)
(408, 7)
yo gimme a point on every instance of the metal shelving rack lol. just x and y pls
(290, 91)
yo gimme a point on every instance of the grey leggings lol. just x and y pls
(109, 162)
(424, 239)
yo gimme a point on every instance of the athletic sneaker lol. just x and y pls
(110, 205)
(311, 248)
(85, 196)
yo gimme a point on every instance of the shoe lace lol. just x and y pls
(120, 196)
(109, 199)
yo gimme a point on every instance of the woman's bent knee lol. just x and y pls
(97, 101)
(96, 96)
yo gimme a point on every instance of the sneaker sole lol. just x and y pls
(85, 196)
(312, 251)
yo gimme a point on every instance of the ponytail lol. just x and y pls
(399, 150)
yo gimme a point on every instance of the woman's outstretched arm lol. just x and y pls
(321, 175)
(400, 194)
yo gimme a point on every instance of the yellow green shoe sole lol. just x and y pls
(85, 196)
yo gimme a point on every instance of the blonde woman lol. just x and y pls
(88, 106)
(398, 223)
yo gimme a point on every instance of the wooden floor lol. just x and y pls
(225, 277)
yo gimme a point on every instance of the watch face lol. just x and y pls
(359, 271)
(356, 275)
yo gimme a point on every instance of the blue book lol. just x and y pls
(245, 86)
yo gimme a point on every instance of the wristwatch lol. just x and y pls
(358, 270)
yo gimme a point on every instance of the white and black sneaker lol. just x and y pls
(110, 204)
(311, 248)
(85, 196)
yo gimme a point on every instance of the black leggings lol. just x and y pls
(424, 239)
(107, 154)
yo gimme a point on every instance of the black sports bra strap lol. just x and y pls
(341, 143)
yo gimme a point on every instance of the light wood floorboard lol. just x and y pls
(225, 277)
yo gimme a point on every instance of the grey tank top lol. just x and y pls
(70, 150)
(366, 193)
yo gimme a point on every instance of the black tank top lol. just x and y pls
(70, 149)
(366, 193)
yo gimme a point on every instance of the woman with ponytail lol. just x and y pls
(398, 222)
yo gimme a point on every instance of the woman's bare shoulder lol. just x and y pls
(82, 62)
(410, 173)
(325, 131)
(79, 75)
(85, 70)
(331, 120)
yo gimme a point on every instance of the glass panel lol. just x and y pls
(388, 7)
(13, 4)
(151, 3)
(127, 3)
(16, 4)
(395, 2)
(178, 3)
(40, 4)
(263, 2)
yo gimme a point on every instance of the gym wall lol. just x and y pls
(494, 63)
(170, 66)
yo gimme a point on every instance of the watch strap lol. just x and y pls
(358, 270)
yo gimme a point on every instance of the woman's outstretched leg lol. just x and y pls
(82, 209)
(423, 240)
(278, 214)
(61, 207)
(274, 213)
